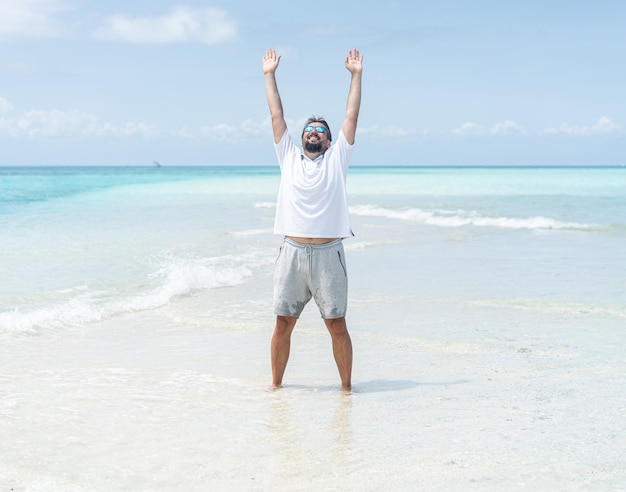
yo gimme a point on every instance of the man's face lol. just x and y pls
(315, 141)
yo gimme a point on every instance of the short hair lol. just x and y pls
(321, 120)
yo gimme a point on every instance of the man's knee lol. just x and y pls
(337, 326)
(285, 324)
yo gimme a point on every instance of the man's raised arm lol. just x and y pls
(354, 64)
(270, 64)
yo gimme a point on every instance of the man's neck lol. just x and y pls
(312, 155)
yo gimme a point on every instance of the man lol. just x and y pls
(312, 216)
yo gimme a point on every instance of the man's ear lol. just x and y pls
(328, 143)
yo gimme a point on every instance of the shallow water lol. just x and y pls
(487, 313)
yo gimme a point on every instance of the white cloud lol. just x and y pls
(469, 128)
(55, 123)
(5, 106)
(221, 132)
(604, 126)
(130, 129)
(376, 131)
(37, 123)
(30, 17)
(507, 127)
(257, 129)
(226, 133)
(208, 25)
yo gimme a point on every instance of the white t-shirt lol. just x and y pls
(312, 199)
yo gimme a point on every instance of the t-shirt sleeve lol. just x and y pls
(284, 147)
(344, 150)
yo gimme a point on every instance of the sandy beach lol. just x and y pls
(149, 402)
(488, 337)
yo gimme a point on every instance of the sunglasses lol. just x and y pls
(318, 129)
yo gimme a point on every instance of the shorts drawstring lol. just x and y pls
(308, 251)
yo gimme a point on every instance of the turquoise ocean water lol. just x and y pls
(487, 308)
(84, 244)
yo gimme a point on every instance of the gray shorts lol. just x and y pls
(305, 271)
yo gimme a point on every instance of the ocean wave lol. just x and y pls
(362, 245)
(173, 277)
(460, 218)
(251, 232)
(265, 205)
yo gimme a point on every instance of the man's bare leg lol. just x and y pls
(281, 343)
(342, 349)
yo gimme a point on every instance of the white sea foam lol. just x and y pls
(265, 205)
(173, 277)
(250, 232)
(361, 245)
(460, 218)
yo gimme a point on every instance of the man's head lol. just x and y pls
(316, 136)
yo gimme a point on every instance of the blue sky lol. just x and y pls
(535, 82)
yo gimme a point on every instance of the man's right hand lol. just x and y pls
(270, 61)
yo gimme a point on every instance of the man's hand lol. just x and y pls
(354, 62)
(270, 62)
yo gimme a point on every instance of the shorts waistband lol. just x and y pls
(309, 247)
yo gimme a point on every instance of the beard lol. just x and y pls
(314, 148)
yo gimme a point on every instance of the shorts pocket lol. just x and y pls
(280, 250)
(342, 263)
